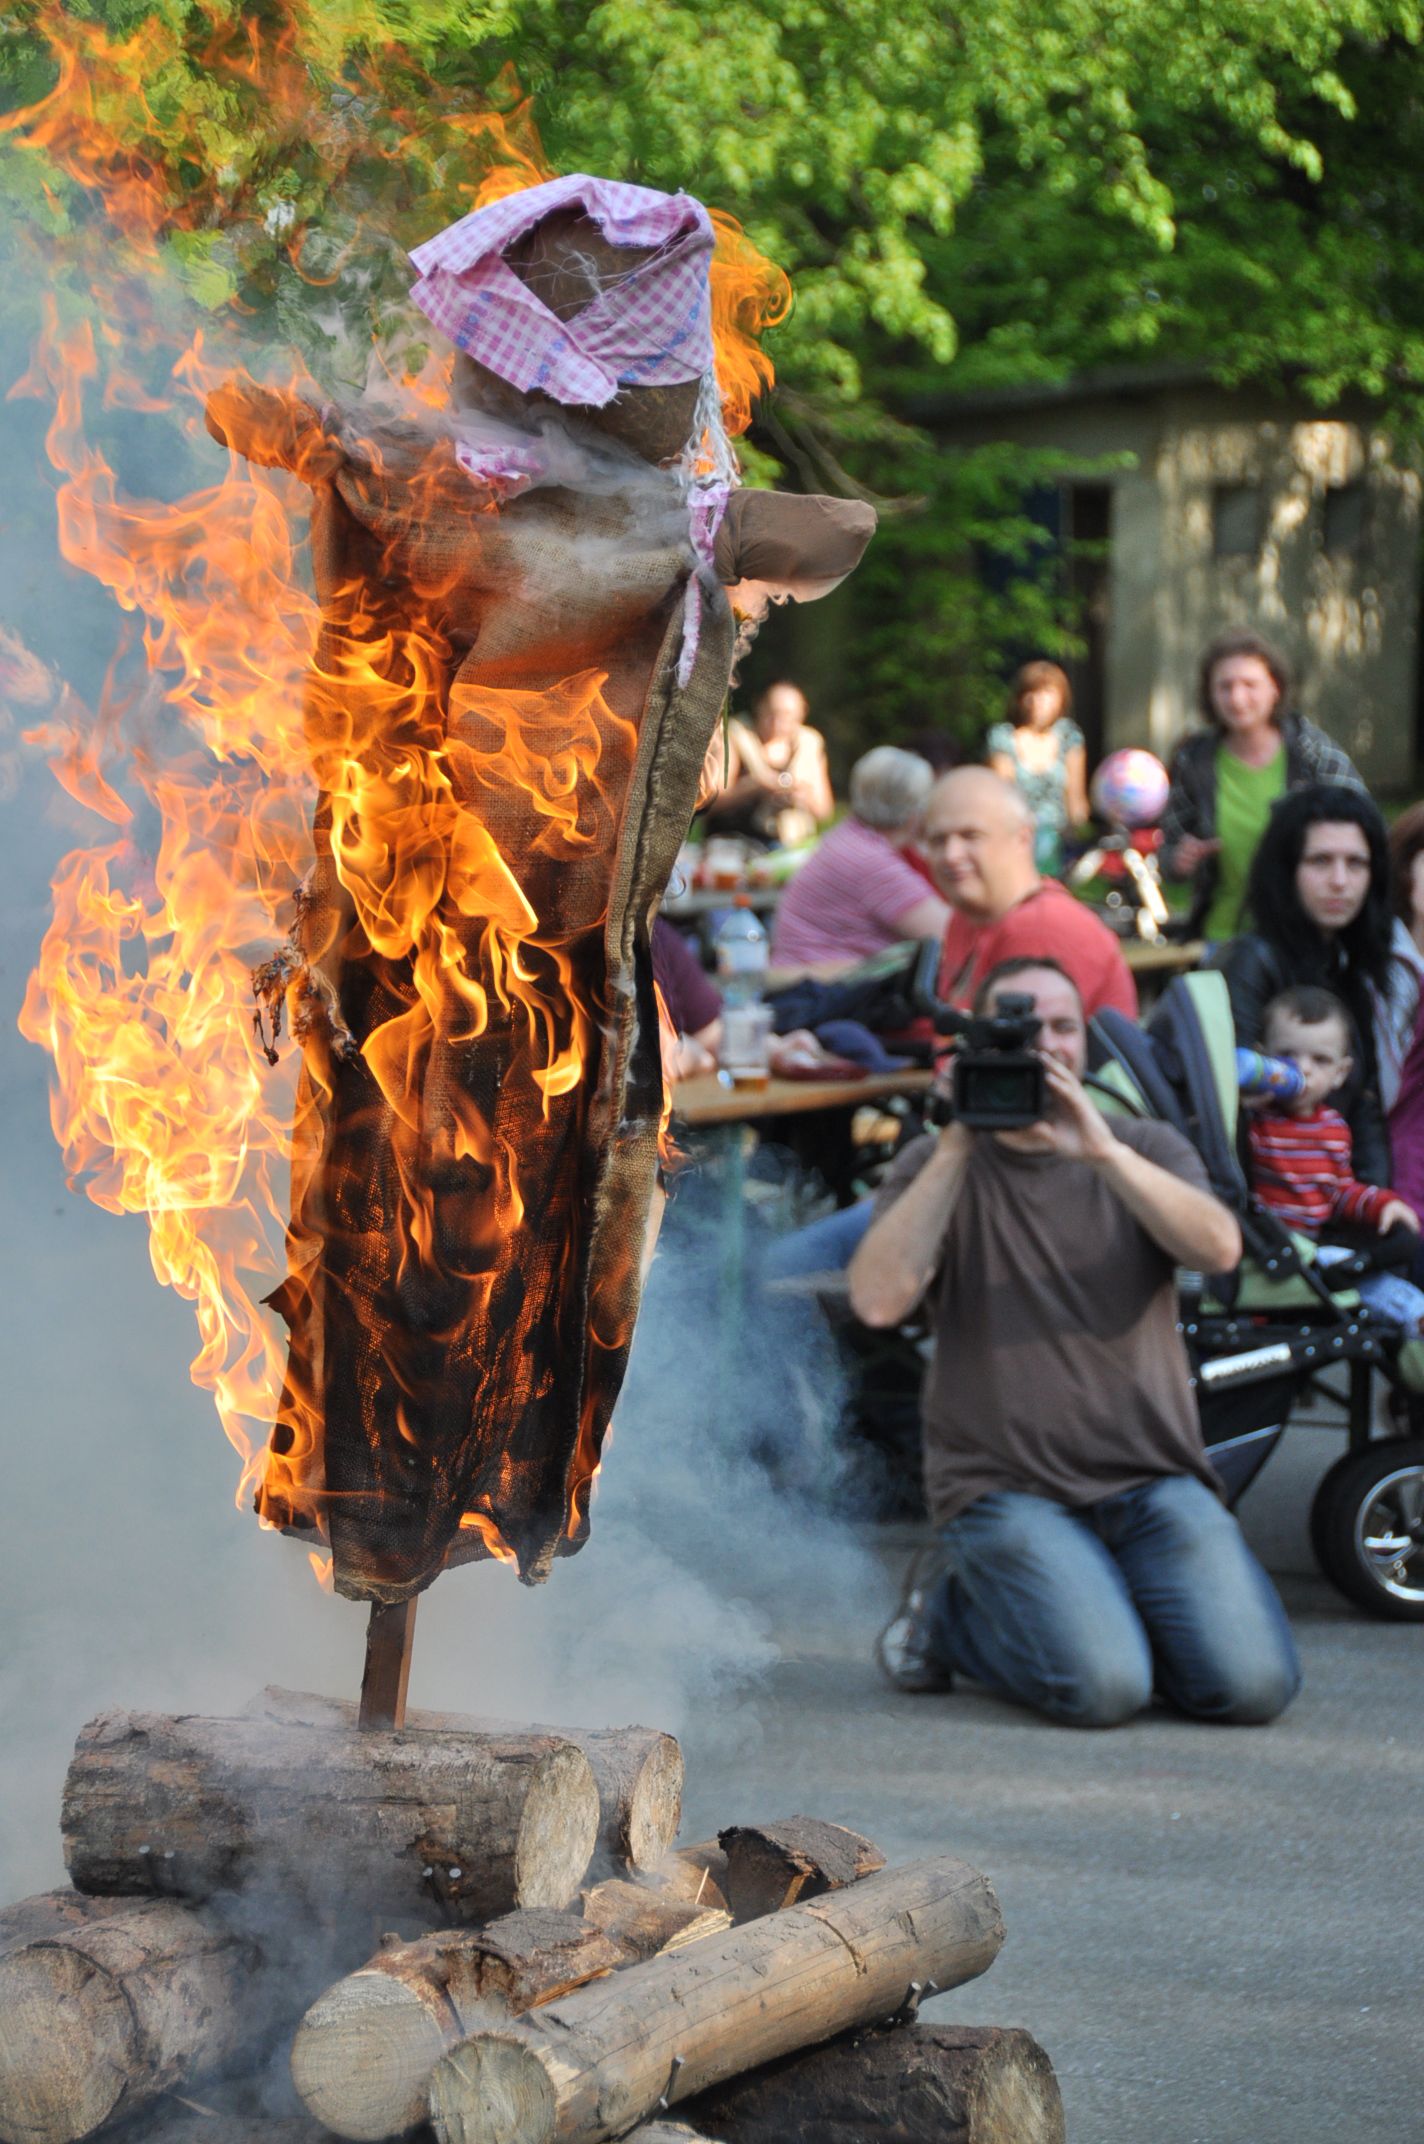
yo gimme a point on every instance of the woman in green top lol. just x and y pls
(1226, 777)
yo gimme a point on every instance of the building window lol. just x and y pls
(1344, 518)
(1236, 520)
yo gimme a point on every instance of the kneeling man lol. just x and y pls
(1090, 1559)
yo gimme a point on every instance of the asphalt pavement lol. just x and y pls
(1215, 1932)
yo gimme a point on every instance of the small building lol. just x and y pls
(1201, 507)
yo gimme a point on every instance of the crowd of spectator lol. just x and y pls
(1087, 1557)
(1292, 876)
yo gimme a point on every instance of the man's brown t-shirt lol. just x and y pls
(1057, 1366)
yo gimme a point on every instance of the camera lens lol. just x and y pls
(1002, 1090)
(999, 1092)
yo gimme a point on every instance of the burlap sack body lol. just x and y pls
(464, 1252)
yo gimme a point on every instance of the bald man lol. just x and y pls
(978, 837)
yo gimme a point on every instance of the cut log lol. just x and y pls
(911, 2084)
(649, 1923)
(638, 1770)
(774, 1865)
(397, 1826)
(598, 2062)
(98, 2020)
(695, 1873)
(363, 2053)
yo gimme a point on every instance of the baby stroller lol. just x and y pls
(1262, 1338)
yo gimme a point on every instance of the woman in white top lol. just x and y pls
(777, 785)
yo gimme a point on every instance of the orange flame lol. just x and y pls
(749, 295)
(163, 1103)
(143, 985)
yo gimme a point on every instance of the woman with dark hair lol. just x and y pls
(1226, 777)
(1406, 982)
(1040, 749)
(1319, 901)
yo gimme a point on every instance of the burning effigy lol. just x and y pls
(526, 640)
(453, 784)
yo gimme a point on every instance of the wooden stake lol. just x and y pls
(390, 1636)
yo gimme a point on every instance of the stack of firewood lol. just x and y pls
(481, 1933)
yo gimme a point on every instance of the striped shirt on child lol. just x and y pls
(1302, 1170)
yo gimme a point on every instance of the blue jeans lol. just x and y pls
(824, 1246)
(1082, 1613)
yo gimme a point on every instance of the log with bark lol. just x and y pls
(54, 1913)
(598, 2062)
(104, 2009)
(908, 2084)
(363, 2053)
(638, 1770)
(396, 1826)
(769, 1866)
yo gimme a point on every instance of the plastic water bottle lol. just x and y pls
(1276, 1076)
(741, 948)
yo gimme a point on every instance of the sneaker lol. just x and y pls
(902, 1651)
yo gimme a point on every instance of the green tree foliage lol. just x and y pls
(1001, 193)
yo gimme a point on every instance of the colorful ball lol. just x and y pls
(1130, 788)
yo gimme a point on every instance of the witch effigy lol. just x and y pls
(530, 606)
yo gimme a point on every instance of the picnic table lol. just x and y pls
(1164, 957)
(699, 901)
(1153, 966)
(708, 1100)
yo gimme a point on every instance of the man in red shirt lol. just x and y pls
(978, 837)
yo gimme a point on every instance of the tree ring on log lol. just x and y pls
(558, 1830)
(655, 1804)
(43, 2095)
(399, 2043)
(509, 2086)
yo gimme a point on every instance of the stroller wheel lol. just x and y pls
(1367, 1528)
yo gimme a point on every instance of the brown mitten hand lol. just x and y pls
(274, 429)
(795, 543)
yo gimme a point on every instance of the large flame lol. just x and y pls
(165, 1101)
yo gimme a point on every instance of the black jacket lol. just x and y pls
(1255, 971)
(1311, 756)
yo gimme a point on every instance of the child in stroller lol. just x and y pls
(1301, 1150)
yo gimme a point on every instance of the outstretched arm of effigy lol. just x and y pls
(790, 543)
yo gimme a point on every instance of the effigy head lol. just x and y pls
(582, 294)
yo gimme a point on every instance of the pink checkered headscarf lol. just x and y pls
(653, 329)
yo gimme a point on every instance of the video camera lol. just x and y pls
(997, 1079)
